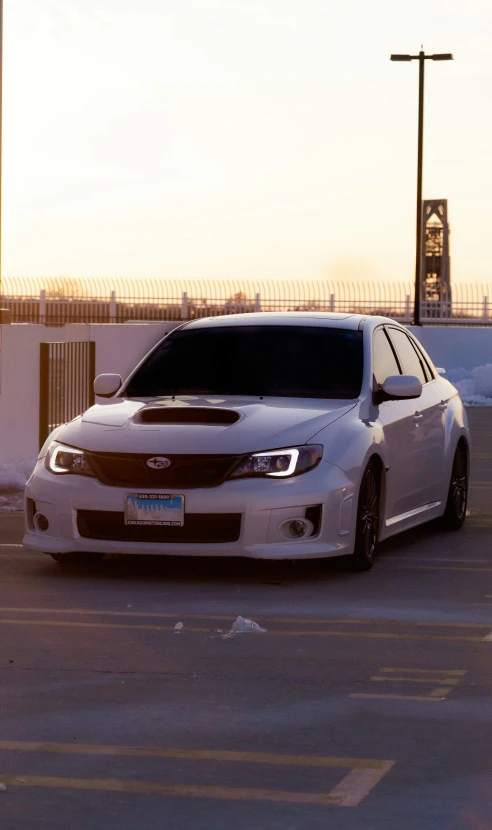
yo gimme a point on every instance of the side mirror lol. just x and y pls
(105, 386)
(440, 370)
(398, 388)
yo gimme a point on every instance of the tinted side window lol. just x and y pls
(424, 358)
(409, 359)
(384, 361)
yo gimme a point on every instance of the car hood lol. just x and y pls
(228, 425)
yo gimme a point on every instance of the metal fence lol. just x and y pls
(57, 301)
(66, 377)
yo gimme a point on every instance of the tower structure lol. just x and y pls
(436, 268)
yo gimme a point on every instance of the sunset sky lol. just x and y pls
(246, 139)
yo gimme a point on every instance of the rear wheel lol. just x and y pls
(78, 558)
(455, 513)
(367, 527)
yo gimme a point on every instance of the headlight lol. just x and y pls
(62, 459)
(279, 463)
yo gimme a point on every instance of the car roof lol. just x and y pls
(290, 318)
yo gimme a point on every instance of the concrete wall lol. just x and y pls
(120, 347)
(454, 347)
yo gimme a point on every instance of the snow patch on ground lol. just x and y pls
(13, 477)
(475, 387)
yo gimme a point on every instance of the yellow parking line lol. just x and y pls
(362, 776)
(441, 692)
(220, 755)
(446, 672)
(444, 559)
(427, 699)
(349, 796)
(378, 635)
(103, 613)
(451, 681)
(439, 568)
(230, 618)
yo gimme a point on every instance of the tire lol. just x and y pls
(367, 527)
(78, 558)
(455, 513)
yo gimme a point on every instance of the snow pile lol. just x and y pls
(243, 626)
(13, 477)
(475, 387)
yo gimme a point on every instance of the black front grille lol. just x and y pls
(184, 472)
(205, 528)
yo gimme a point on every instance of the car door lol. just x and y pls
(428, 437)
(397, 421)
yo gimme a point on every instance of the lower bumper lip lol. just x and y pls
(308, 550)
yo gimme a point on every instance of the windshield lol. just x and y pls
(278, 361)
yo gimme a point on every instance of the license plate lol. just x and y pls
(152, 509)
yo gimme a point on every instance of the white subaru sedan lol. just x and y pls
(271, 436)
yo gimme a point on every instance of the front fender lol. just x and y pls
(351, 442)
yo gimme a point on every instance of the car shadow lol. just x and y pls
(229, 571)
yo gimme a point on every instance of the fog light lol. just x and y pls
(41, 523)
(296, 528)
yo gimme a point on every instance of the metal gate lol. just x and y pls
(66, 375)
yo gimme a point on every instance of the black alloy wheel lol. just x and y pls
(367, 528)
(455, 513)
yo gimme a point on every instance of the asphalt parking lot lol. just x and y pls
(365, 704)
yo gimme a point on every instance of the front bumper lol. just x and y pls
(263, 504)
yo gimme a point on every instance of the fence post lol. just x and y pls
(42, 306)
(485, 308)
(184, 306)
(257, 303)
(408, 313)
(44, 387)
(332, 302)
(92, 371)
(112, 307)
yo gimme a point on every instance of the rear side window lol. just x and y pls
(410, 361)
(384, 360)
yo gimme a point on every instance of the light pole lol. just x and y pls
(1, 108)
(421, 58)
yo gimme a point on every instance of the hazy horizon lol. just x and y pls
(240, 140)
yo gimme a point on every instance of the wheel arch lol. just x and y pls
(463, 442)
(378, 462)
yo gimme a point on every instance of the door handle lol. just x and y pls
(417, 418)
(443, 405)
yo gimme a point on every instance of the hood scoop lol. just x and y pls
(187, 415)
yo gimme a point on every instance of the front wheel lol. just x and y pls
(77, 558)
(367, 527)
(455, 513)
